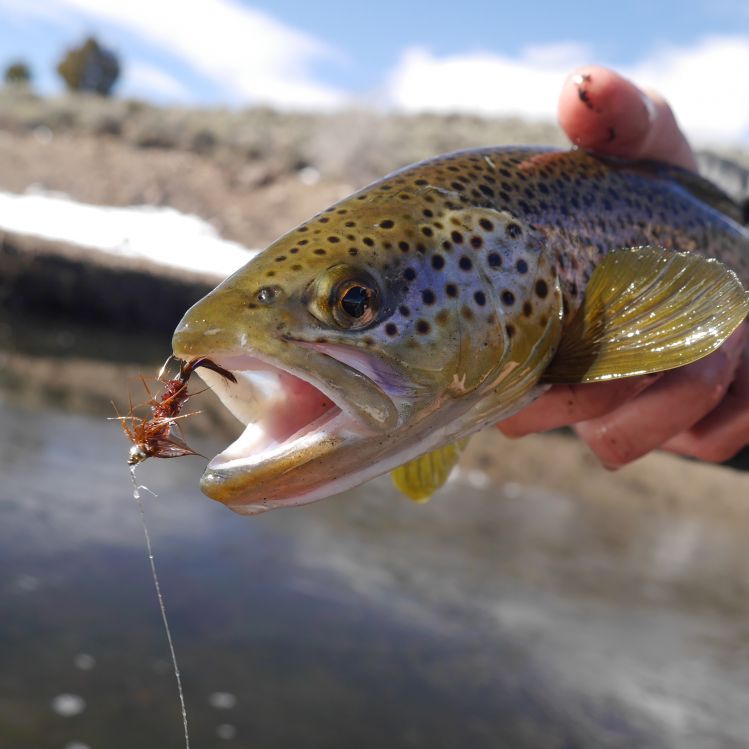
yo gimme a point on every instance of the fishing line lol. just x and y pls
(136, 496)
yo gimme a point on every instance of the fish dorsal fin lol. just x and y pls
(421, 477)
(647, 309)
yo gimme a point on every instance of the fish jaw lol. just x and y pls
(298, 444)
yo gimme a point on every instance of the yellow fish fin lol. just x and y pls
(421, 477)
(647, 309)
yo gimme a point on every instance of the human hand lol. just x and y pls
(700, 410)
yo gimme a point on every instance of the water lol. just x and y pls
(523, 608)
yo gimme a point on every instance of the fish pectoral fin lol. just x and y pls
(647, 309)
(421, 477)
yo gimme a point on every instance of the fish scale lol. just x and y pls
(439, 299)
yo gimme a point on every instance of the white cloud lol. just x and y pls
(484, 82)
(248, 55)
(703, 82)
(141, 78)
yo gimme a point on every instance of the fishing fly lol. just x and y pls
(153, 436)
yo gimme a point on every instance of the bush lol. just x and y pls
(18, 74)
(90, 67)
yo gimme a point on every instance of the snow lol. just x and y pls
(159, 235)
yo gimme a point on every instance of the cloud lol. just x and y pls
(483, 82)
(144, 79)
(247, 56)
(703, 82)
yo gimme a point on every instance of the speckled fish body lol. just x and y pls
(424, 308)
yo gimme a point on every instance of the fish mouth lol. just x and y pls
(295, 425)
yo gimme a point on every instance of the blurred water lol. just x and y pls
(501, 614)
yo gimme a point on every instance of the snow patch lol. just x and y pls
(159, 235)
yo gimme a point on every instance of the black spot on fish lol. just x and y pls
(495, 260)
(480, 298)
(508, 298)
(451, 290)
(422, 327)
(513, 230)
(438, 262)
(387, 224)
(409, 274)
(542, 288)
(465, 263)
(391, 329)
(521, 266)
(427, 296)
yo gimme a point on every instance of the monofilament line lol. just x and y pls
(136, 496)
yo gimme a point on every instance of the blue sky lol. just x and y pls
(494, 58)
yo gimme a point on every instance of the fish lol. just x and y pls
(379, 335)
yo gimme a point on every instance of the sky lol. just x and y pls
(476, 56)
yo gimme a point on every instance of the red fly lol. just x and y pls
(153, 436)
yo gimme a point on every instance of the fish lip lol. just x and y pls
(240, 474)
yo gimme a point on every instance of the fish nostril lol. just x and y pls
(268, 294)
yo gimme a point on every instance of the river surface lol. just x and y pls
(502, 614)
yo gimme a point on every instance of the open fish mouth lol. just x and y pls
(281, 411)
(295, 426)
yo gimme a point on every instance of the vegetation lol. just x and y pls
(17, 74)
(90, 67)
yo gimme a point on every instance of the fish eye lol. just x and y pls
(345, 296)
(355, 304)
(356, 300)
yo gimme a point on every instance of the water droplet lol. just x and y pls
(226, 731)
(84, 661)
(68, 705)
(222, 700)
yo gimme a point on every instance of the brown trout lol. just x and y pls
(383, 332)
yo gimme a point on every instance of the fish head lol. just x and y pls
(365, 337)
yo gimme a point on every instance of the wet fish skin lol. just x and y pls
(476, 261)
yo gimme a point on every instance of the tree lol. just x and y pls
(18, 74)
(90, 67)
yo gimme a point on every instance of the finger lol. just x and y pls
(724, 431)
(680, 399)
(567, 404)
(602, 111)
